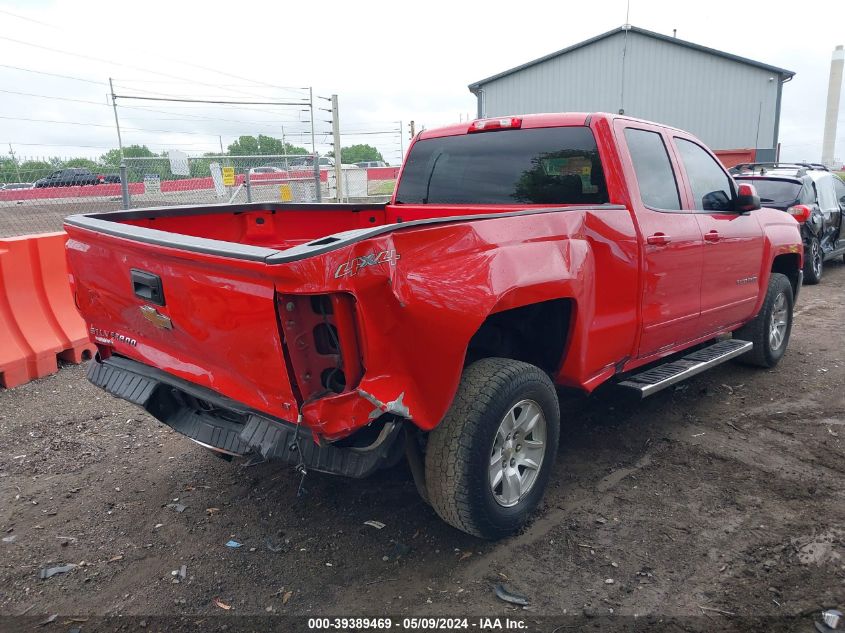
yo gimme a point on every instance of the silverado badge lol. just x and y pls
(161, 321)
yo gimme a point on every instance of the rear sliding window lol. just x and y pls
(532, 166)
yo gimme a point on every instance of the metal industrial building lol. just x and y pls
(731, 103)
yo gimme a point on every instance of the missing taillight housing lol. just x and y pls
(320, 335)
(326, 339)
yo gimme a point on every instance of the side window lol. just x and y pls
(827, 195)
(655, 177)
(839, 186)
(711, 186)
(808, 192)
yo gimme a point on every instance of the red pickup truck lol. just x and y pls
(518, 255)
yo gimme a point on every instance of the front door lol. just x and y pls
(839, 188)
(831, 212)
(733, 242)
(671, 244)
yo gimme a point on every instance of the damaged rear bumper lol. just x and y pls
(228, 427)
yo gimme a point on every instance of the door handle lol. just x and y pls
(658, 239)
(147, 286)
(712, 236)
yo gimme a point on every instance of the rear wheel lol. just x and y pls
(814, 263)
(488, 462)
(770, 329)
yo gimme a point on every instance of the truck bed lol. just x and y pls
(279, 306)
(250, 231)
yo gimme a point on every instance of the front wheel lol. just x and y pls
(814, 264)
(488, 462)
(770, 329)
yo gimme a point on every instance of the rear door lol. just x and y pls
(733, 242)
(672, 247)
(839, 187)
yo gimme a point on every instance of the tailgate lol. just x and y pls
(201, 317)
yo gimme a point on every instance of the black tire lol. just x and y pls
(458, 456)
(758, 331)
(813, 263)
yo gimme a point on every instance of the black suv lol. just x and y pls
(810, 193)
(75, 176)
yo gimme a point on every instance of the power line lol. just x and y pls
(109, 126)
(206, 68)
(29, 94)
(180, 100)
(21, 17)
(56, 145)
(105, 61)
(209, 100)
(97, 103)
(199, 116)
(41, 72)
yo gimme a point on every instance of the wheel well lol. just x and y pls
(534, 333)
(788, 264)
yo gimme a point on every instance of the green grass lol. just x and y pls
(383, 188)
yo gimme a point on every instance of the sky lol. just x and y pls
(388, 62)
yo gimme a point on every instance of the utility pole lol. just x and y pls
(412, 130)
(220, 138)
(116, 122)
(311, 99)
(285, 148)
(338, 169)
(124, 175)
(15, 162)
(401, 144)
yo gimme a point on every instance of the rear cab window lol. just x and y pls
(655, 177)
(557, 165)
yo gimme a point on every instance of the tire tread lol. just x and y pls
(450, 445)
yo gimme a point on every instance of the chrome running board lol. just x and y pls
(653, 380)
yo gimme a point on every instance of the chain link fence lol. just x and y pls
(37, 195)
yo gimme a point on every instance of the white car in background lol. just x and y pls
(367, 164)
(9, 186)
(267, 169)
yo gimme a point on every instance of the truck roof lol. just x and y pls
(546, 119)
(550, 119)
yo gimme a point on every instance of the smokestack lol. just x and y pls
(834, 87)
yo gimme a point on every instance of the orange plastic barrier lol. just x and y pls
(39, 321)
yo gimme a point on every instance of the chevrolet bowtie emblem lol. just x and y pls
(155, 317)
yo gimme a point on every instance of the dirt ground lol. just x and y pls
(721, 497)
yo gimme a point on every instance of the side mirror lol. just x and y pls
(746, 198)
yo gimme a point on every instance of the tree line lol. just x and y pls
(31, 170)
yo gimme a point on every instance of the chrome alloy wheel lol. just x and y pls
(778, 323)
(518, 452)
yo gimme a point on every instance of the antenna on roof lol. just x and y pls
(624, 52)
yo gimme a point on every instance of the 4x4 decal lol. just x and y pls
(351, 268)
